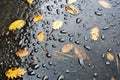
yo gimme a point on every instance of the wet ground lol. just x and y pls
(42, 64)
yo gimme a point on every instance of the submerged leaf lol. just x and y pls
(71, 1)
(112, 78)
(41, 36)
(104, 4)
(22, 53)
(15, 72)
(38, 18)
(30, 1)
(17, 24)
(94, 33)
(67, 48)
(110, 57)
(57, 24)
(71, 9)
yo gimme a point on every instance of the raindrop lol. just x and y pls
(107, 63)
(50, 63)
(77, 42)
(109, 50)
(36, 66)
(61, 40)
(105, 28)
(45, 77)
(61, 77)
(38, 76)
(49, 8)
(48, 55)
(87, 47)
(63, 32)
(78, 20)
(71, 39)
(98, 13)
(67, 71)
(53, 45)
(81, 62)
(71, 35)
(103, 37)
(31, 73)
(95, 74)
(58, 11)
(43, 65)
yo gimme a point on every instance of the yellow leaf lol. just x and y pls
(112, 78)
(38, 18)
(94, 33)
(80, 53)
(30, 1)
(110, 57)
(22, 53)
(67, 48)
(16, 24)
(15, 72)
(71, 1)
(104, 4)
(57, 24)
(71, 9)
(41, 36)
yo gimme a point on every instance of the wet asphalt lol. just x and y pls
(43, 65)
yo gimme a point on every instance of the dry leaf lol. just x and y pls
(30, 1)
(16, 24)
(71, 1)
(110, 57)
(38, 18)
(57, 24)
(94, 33)
(104, 4)
(41, 36)
(67, 48)
(22, 53)
(71, 9)
(80, 53)
(112, 78)
(15, 72)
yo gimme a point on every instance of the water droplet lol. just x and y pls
(71, 35)
(61, 40)
(36, 66)
(38, 76)
(61, 77)
(67, 71)
(50, 63)
(63, 32)
(77, 42)
(78, 20)
(109, 50)
(103, 37)
(107, 63)
(87, 47)
(98, 13)
(31, 73)
(45, 77)
(105, 28)
(43, 65)
(49, 8)
(48, 55)
(95, 74)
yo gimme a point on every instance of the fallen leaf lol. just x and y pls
(110, 57)
(41, 36)
(38, 18)
(71, 9)
(71, 1)
(15, 72)
(104, 4)
(94, 33)
(22, 53)
(30, 1)
(80, 53)
(67, 48)
(16, 24)
(57, 24)
(112, 78)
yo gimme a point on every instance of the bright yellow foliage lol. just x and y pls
(57, 24)
(71, 1)
(16, 24)
(41, 36)
(38, 18)
(110, 57)
(94, 33)
(30, 1)
(15, 72)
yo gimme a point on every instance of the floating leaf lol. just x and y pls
(38, 18)
(80, 53)
(41, 36)
(110, 57)
(57, 24)
(94, 33)
(30, 1)
(112, 78)
(16, 24)
(104, 4)
(15, 72)
(67, 48)
(71, 9)
(22, 53)
(71, 1)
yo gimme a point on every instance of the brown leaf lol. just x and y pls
(17, 24)
(112, 78)
(104, 4)
(38, 18)
(94, 33)
(71, 9)
(22, 53)
(15, 72)
(41, 36)
(67, 48)
(110, 57)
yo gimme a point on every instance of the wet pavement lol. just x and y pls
(42, 64)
